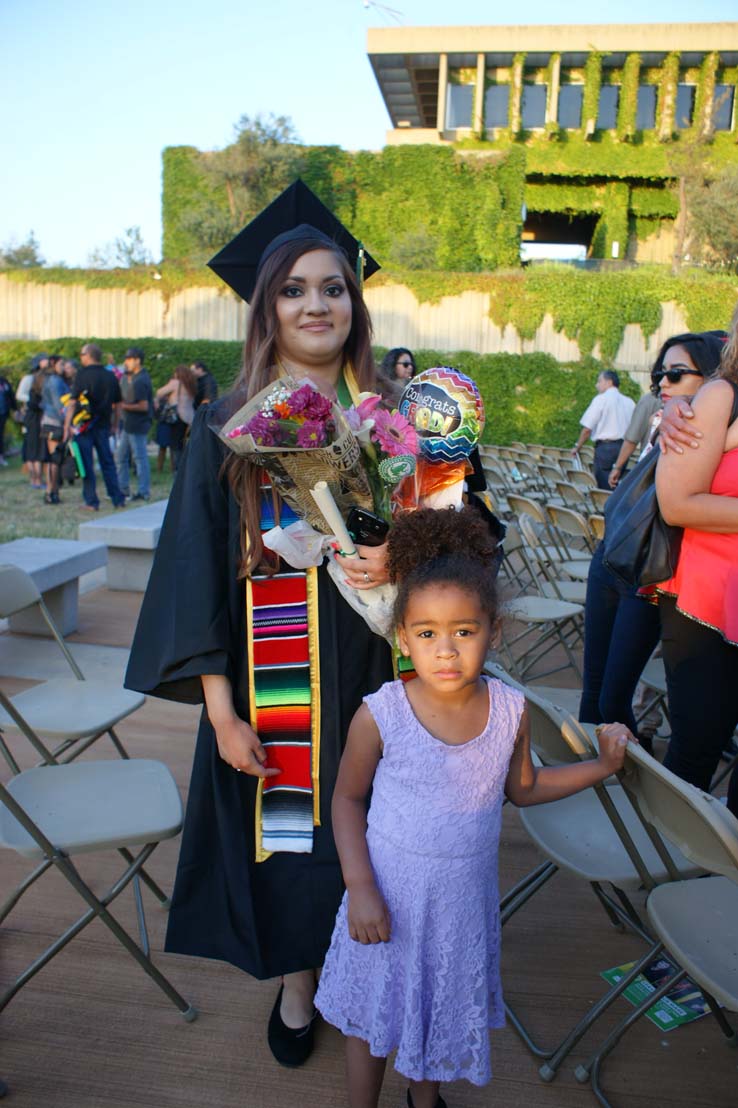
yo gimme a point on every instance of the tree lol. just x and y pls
(131, 250)
(713, 210)
(127, 251)
(243, 178)
(21, 256)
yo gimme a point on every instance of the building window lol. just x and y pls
(459, 106)
(646, 109)
(533, 107)
(684, 107)
(497, 106)
(722, 107)
(569, 113)
(607, 114)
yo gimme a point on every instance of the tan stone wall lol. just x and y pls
(656, 248)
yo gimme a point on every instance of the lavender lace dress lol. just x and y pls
(433, 992)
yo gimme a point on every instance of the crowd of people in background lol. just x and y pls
(76, 413)
(107, 409)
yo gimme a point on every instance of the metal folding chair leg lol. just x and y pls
(97, 906)
(98, 909)
(11, 901)
(549, 1070)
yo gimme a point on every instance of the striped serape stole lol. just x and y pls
(404, 668)
(284, 693)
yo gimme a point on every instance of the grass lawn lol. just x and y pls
(23, 512)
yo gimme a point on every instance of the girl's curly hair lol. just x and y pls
(442, 546)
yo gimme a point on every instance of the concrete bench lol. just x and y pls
(56, 566)
(131, 538)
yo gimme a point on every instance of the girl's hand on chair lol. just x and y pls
(613, 739)
(368, 917)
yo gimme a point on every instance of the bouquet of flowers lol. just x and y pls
(301, 437)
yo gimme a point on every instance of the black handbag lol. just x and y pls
(639, 547)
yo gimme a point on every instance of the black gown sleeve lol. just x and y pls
(184, 628)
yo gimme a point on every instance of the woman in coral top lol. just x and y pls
(698, 490)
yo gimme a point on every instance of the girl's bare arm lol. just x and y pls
(527, 784)
(368, 916)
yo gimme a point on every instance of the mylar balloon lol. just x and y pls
(446, 410)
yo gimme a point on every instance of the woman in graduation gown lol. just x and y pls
(196, 635)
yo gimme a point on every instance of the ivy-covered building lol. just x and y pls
(603, 113)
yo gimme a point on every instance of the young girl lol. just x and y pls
(414, 960)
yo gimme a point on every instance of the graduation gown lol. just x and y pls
(276, 916)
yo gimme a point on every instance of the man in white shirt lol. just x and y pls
(606, 421)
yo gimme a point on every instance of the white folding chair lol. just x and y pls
(693, 920)
(51, 813)
(68, 714)
(596, 835)
(548, 622)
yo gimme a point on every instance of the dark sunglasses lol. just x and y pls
(410, 365)
(674, 376)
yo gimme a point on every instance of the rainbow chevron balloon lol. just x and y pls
(445, 408)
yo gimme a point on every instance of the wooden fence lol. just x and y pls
(45, 312)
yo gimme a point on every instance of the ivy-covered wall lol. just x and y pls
(466, 208)
(460, 205)
(588, 307)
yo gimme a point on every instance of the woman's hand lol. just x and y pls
(240, 747)
(674, 430)
(613, 738)
(368, 917)
(368, 570)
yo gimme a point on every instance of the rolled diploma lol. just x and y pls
(323, 497)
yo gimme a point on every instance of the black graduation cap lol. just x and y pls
(295, 213)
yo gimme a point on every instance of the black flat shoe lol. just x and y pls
(440, 1103)
(291, 1046)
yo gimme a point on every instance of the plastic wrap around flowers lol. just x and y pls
(446, 410)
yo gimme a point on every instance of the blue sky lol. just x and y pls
(92, 91)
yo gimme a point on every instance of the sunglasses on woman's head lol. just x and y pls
(674, 376)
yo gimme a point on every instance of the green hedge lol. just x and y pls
(162, 355)
(530, 397)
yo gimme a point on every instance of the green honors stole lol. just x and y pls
(284, 689)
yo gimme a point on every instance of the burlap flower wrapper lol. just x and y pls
(294, 471)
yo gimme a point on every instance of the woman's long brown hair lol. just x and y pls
(186, 377)
(729, 359)
(259, 369)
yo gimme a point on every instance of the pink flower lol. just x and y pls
(393, 434)
(311, 433)
(237, 432)
(367, 405)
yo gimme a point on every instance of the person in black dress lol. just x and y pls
(270, 917)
